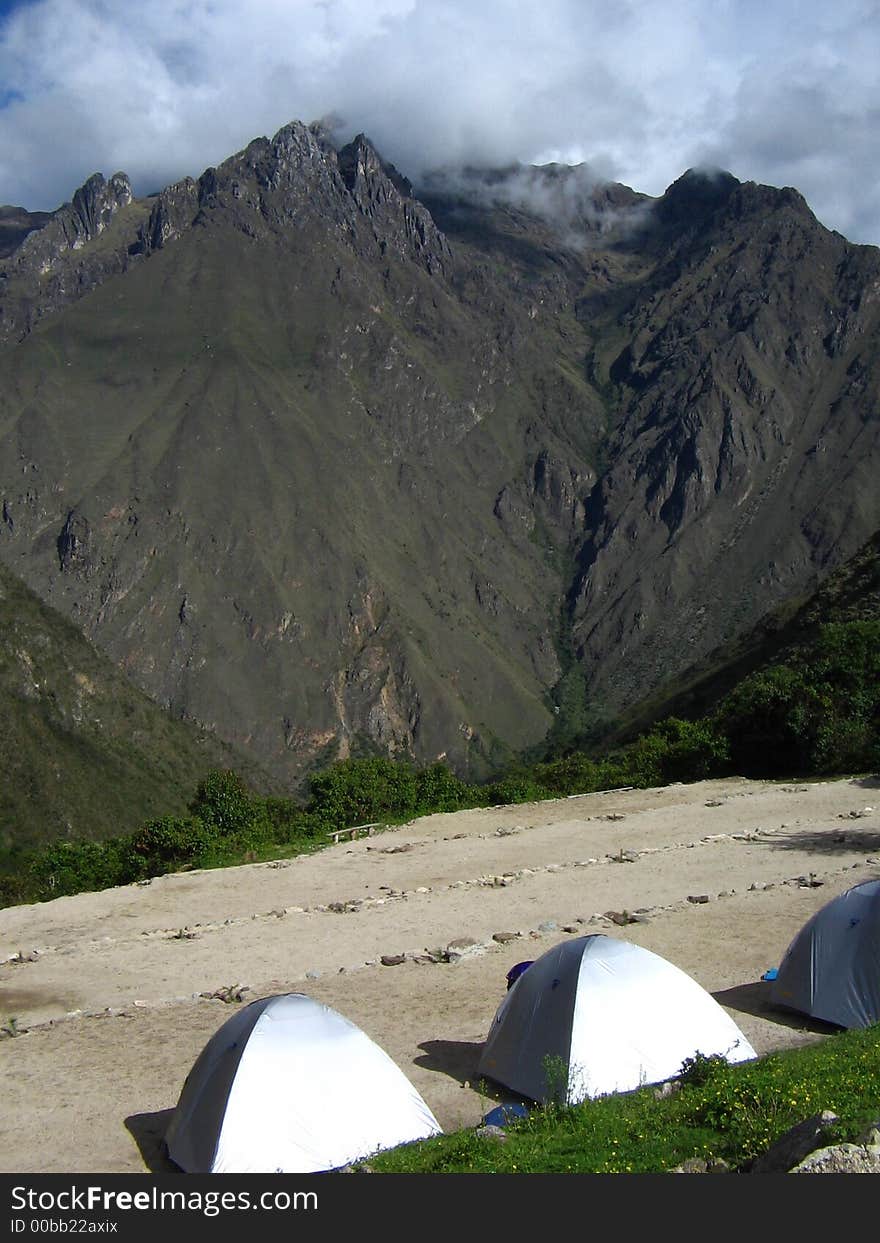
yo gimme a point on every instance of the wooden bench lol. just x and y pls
(352, 832)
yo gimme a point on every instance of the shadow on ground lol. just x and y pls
(755, 999)
(845, 840)
(148, 1132)
(456, 1058)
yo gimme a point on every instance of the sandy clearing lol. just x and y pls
(90, 1092)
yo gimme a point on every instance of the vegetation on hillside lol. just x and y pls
(818, 713)
(83, 752)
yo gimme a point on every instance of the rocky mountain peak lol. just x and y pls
(385, 197)
(53, 263)
(87, 215)
(95, 204)
(695, 195)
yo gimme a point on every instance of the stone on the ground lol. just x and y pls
(796, 1144)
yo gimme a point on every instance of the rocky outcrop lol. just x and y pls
(172, 214)
(385, 198)
(90, 212)
(53, 265)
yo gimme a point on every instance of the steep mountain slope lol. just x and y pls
(850, 593)
(743, 464)
(83, 753)
(331, 466)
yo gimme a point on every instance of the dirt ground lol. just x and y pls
(108, 995)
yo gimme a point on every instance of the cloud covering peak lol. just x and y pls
(784, 93)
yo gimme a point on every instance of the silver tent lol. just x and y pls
(831, 970)
(596, 1015)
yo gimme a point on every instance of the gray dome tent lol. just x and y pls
(831, 970)
(288, 1085)
(596, 1015)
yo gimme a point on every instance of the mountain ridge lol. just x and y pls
(334, 465)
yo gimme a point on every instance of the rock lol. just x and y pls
(796, 1144)
(503, 937)
(619, 917)
(693, 1165)
(625, 856)
(697, 1165)
(313, 975)
(570, 928)
(463, 947)
(669, 1088)
(392, 960)
(497, 1133)
(698, 899)
(548, 925)
(841, 1159)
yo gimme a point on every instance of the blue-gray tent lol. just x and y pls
(831, 970)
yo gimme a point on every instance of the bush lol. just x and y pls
(519, 788)
(74, 867)
(575, 774)
(438, 789)
(166, 844)
(694, 750)
(770, 720)
(357, 791)
(223, 800)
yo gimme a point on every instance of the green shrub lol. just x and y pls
(438, 789)
(574, 774)
(76, 867)
(520, 788)
(223, 800)
(356, 791)
(166, 844)
(694, 750)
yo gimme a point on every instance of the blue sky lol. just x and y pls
(785, 92)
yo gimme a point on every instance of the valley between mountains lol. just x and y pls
(114, 994)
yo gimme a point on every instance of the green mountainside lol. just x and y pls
(83, 753)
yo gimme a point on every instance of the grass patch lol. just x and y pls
(731, 1113)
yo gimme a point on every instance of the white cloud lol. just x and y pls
(785, 92)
